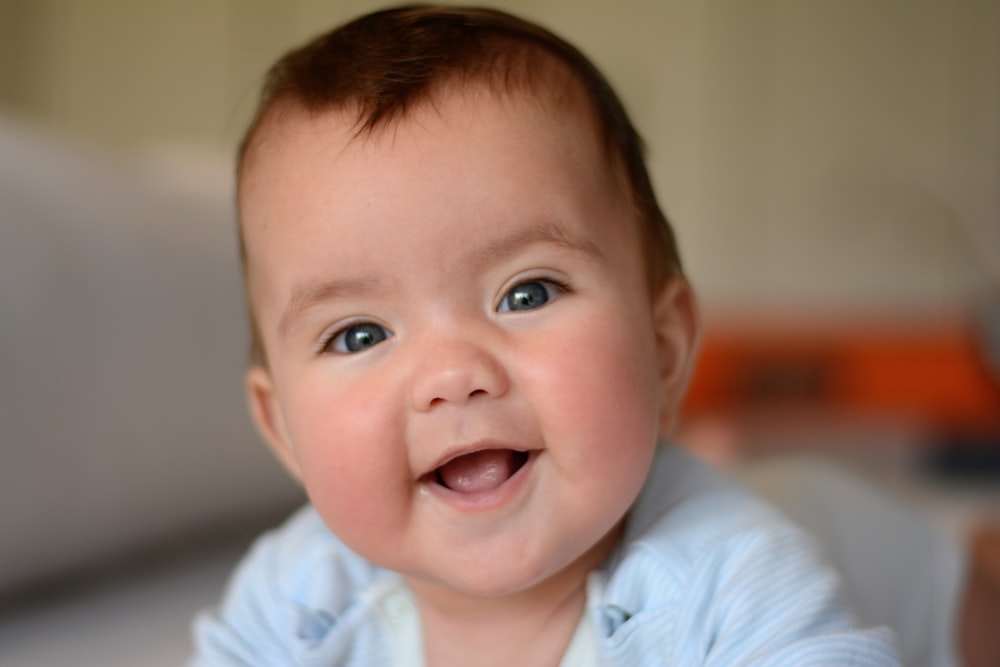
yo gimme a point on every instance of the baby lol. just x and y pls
(471, 335)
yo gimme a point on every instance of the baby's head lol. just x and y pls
(470, 324)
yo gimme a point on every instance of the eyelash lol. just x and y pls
(325, 345)
(560, 287)
(326, 342)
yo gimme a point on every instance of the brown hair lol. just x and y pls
(384, 63)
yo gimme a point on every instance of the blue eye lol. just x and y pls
(527, 296)
(358, 338)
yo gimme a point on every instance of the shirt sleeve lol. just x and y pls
(246, 630)
(900, 567)
(766, 598)
(724, 581)
(299, 598)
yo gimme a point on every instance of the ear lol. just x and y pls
(269, 420)
(678, 332)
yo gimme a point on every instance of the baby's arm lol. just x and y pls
(281, 602)
(721, 579)
(776, 603)
(300, 597)
(244, 631)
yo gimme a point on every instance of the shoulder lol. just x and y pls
(297, 593)
(688, 512)
(690, 526)
(302, 561)
(710, 574)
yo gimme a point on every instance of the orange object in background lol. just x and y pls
(930, 372)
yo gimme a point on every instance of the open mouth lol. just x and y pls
(479, 471)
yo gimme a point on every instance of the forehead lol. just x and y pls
(551, 89)
(295, 151)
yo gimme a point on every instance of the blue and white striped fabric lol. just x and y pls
(705, 574)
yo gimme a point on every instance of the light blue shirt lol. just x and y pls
(705, 574)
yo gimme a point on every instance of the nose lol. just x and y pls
(456, 370)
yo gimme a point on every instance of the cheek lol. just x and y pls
(348, 455)
(600, 382)
(599, 421)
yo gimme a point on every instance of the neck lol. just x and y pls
(506, 631)
(531, 627)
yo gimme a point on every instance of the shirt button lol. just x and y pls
(397, 607)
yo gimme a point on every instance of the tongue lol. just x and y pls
(479, 471)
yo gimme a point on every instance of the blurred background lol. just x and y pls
(832, 169)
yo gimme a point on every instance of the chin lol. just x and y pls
(499, 584)
(483, 581)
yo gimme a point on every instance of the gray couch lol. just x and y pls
(122, 347)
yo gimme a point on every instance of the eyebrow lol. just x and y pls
(309, 295)
(547, 232)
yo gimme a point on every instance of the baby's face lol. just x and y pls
(464, 359)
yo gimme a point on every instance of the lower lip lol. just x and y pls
(487, 500)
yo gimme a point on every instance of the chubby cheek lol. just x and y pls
(350, 455)
(601, 386)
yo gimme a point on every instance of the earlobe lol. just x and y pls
(269, 420)
(678, 331)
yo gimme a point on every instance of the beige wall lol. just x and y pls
(839, 151)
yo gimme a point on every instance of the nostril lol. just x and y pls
(434, 402)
